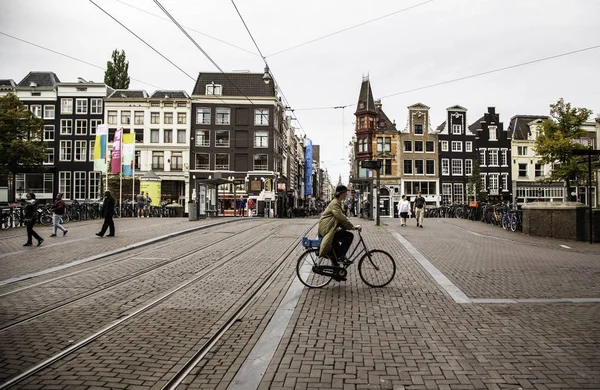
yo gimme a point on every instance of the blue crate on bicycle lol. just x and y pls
(308, 243)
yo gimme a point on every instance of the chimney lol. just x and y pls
(492, 110)
(378, 104)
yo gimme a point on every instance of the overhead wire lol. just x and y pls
(70, 57)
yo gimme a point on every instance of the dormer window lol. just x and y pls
(361, 105)
(214, 89)
(493, 133)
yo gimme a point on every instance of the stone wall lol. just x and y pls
(563, 220)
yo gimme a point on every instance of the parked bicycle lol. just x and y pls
(376, 267)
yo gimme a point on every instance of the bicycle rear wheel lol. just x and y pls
(377, 268)
(304, 269)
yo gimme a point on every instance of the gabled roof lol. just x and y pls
(419, 106)
(476, 125)
(388, 125)
(40, 79)
(519, 125)
(165, 94)
(235, 84)
(7, 85)
(365, 96)
(441, 127)
(456, 108)
(129, 94)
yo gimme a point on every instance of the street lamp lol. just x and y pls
(267, 76)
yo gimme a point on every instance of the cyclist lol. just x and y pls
(334, 226)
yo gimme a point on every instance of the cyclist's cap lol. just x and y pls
(340, 189)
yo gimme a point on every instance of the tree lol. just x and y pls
(475, 185)
(556, 142)
(21, 132)
(117, 71)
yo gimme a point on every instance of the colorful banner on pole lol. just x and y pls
(308, 189)
(128, 154)
(116, 152)
(101, 148)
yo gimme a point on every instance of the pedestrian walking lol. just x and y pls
(404, 210)
(30, 216)
(108, 210)
(140, 204)
(420, 208)
(147, 201)
(58, 210)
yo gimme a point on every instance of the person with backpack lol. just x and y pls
(30, 216)
(108, 210)
(420, 207)
(58, 210)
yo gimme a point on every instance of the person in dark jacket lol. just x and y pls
(30, 216)
(108, 210)
(58, 210)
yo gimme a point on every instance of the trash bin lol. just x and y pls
(193, 211)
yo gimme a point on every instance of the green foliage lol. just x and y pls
(557, 141)
(20, 137)
(117, 71)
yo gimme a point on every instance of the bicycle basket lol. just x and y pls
(308, 243)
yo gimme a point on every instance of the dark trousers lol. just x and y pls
(342, 239)
(108, 224)
(31, 233)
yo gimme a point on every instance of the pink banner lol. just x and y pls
(116, 152)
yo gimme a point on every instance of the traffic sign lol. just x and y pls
(371, 164)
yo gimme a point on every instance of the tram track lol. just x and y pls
(127, 317)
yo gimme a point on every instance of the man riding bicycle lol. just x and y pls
(334, 226)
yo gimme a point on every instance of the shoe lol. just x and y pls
(421, 226)
(99, 235)
(27, 244)
(40, 241)
(65, 233)
(417, 225)
(54, 235)
(110, 235)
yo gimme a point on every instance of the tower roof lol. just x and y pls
(366, 103)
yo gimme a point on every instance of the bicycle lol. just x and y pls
(376, 267)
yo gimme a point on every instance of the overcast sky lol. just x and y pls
(436, 41)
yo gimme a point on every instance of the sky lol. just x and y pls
(402, 45)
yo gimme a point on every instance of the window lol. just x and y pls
(94, 185)
(65, 151)
(261, 139)
(362, 122)
(408, 146)
(95, 106)
(419, 129)
(379, 144)
(418, 146)
(457, 146)
(181, 104)
(203, 116)
(521, 150)
(419, 167)
(386, 167)
(66, 106)
(468, 146)
(459, 193)
(483, 181)
(49, 112)
(66, 126)
(366, 144)
(139, 135)
(261, 162)
(456, 129)
(457, 167)
(539, 170)
(168, 118)
(505, 181)
(221, 162)
(261, 117)
(79, 184)
(36, 110)
(81, 106)
(168, 136)
(203, 161)
(48, 132)
(429, 146)
(158, 160)
(387, 144)
(155, 104)
(181, 118)
(49, 156)
(80, 126)
(493, 133)
(91, 151)
(112, 118)
(408, 167)
(94, 125)
(430, 167)
(154, 136)
(64, 184)
(181, 138)
(168, 104)
(493, 162)
(125, 117)
(202, 138)
(493, 183)
(522, 170)
(445, 167)
(444, 146)
(504, 158)
(138, 117)
(213, 89)
(222, 116)
(138, 159)
(468, 167)
(176, 161)
(446, 192)
(80, 151)
(222, 138)
(482, 157)
(154, 118)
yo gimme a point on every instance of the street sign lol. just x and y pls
(371, 164)
(585, 152)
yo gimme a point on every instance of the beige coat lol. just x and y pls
(333, 218)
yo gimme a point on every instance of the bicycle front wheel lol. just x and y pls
(377, 268)
(304, 269)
